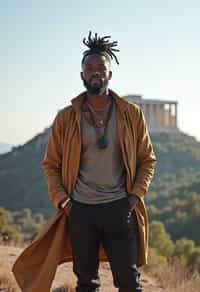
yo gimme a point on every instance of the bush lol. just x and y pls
(155, 262)
(160, 240)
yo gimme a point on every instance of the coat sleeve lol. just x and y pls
(145, 158)
(52, 164)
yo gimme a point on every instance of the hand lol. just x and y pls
(133, 200)
(67, 208)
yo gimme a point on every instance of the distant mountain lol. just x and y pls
(5, 147)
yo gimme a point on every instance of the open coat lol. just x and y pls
(35, 268)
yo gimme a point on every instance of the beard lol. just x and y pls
(95, 88)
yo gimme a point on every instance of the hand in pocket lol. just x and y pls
(67, 208)
(133, 200)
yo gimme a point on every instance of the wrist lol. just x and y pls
(134, 196)
(133, 199)
(65, 202)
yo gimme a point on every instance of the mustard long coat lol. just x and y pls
(35, 268)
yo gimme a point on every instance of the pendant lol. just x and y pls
(102, 142)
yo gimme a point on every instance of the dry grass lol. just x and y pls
(176, 278)
(14, 244)
(7, 284)
(69, 287)
(169, 278)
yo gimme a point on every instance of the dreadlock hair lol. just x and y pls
(101, 46)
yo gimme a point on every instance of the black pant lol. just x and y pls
(112, 225)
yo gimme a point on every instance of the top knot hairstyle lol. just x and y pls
(100, 45)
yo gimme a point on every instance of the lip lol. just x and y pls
(96, 78)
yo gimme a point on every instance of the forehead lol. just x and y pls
(95, 59)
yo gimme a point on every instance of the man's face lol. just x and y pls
(96, 73)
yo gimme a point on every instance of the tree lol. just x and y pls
(183, 250)
(160, 240)
(194, 260)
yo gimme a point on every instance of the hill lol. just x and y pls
(21, 177)
(173, 196)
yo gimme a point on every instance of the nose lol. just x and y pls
(96, 74)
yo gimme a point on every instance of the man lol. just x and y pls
(114, 169)
(98, 164)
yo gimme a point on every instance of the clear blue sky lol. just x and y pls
(41, 48)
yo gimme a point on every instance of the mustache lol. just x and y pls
(96, 87)
(96, 77)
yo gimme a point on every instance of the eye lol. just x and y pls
(88, 69)
(102, 68)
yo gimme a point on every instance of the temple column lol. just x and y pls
(170, 116)
(144, 107)
(151, 116)
(176, 115)
(158, 120)
(147, 113)
(165, 116)
(162, 115)
(155, 115)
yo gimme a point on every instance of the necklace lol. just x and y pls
(102, 141)
(98, 115)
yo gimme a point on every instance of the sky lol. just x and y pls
(41, 49)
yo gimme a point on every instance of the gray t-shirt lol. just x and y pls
(101, 175)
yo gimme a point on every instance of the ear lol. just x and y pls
(110, 75)
(81, 74)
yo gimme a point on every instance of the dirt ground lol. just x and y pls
(64, 274)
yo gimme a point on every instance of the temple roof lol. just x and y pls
(139, 99)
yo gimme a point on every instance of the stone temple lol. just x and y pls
(161, 115)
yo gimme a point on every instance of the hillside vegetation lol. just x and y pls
(173, 198)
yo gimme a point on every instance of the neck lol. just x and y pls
(98, 100)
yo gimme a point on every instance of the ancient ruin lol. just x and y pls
(161, 115)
